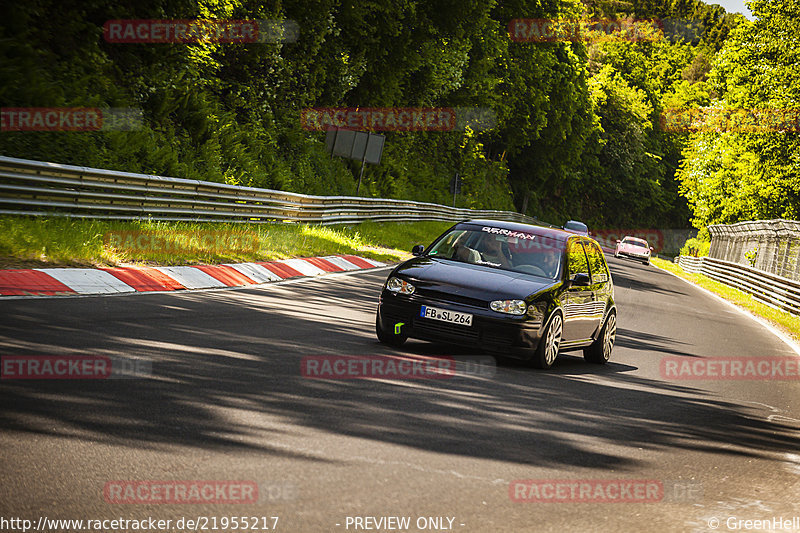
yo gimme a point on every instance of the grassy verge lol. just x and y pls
(786, 322)
(36, 242)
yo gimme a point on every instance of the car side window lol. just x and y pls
(597, 263)
(576, 258)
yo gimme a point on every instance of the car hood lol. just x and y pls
(471, 281)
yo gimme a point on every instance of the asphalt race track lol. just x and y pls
(227, 401)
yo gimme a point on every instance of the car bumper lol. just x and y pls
(509, 335)
(638, 257)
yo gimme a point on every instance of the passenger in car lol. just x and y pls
(492, 251)
(464, 253)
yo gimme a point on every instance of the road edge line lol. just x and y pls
(790, 342)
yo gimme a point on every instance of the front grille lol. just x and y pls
(500, 335)
(438, 330)
(439, 296)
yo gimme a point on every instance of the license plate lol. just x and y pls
(453, 317)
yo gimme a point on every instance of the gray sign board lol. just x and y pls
(358, 145)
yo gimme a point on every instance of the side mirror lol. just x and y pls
(580, 280)
(651, 248)
(418, 249)
(618, 241)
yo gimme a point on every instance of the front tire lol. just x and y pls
(388, 337)
(599, 352)
(547, 351)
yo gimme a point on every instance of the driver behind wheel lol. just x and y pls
(550, 263)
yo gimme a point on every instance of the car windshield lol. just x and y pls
(635, 243)
(527, 253)
(576, 226)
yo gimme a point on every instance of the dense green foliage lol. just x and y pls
(576, 134)
(730, 176)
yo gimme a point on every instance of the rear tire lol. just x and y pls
(599, 352)
(547, 351)
(389, 337)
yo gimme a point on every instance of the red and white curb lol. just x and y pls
(71, 281)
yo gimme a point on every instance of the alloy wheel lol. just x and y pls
(610, 335)
(553, 340)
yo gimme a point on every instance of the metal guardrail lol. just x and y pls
(776, 291)
(50, 189)
(690, 264)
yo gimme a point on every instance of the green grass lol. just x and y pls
(786, 322)
(58, 241)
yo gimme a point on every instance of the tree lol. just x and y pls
(733, 176)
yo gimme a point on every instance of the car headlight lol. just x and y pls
(399, 285)
(511, 307)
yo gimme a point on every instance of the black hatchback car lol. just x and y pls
(527, 292)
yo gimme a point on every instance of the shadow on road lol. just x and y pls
(637, 340)
(227, 365)
(628, 274)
